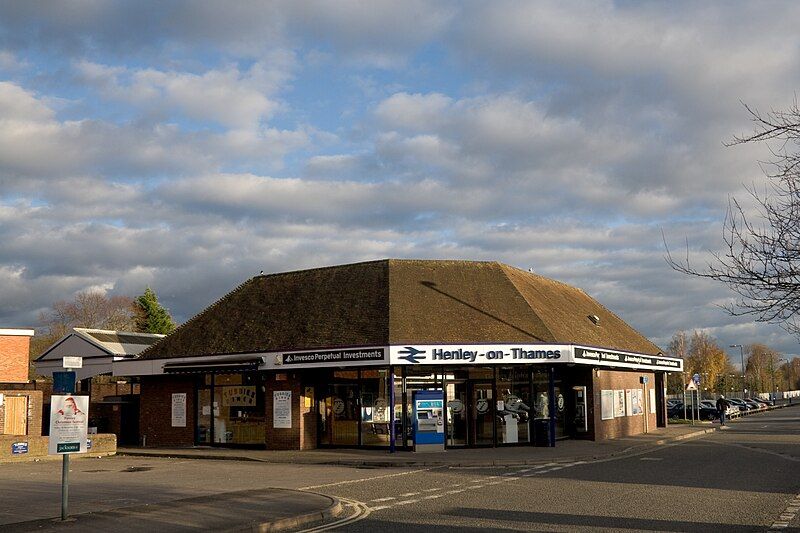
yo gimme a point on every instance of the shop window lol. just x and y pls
(231, 409)
(375, 408)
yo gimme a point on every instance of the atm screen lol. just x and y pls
(422, 415)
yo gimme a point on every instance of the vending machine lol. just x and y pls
(428, 419)
(581, 421)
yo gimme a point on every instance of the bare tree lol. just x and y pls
(761, 258)
(86, 310)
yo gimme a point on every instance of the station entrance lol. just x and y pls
(484, 406)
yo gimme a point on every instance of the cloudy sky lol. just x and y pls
(190, 145)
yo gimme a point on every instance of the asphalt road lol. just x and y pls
(745, 478)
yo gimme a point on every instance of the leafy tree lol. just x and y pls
(790, 374)
(761, 258)
(707, 359)
(678, 347)
(151, 317)
(762, 368)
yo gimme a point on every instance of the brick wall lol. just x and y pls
(626, 425)
(14, 358)
(155, 412)
(34, 416)
(102, 445)
(283, 438)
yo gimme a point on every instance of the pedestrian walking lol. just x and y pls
(722, 406)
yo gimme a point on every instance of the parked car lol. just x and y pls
(756, 406)
(765, 403)
(706, 413)
(744, 408)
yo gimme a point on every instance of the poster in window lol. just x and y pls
(636, 399)
(619, 403)
(628, 402)
(652, 401)
(179, 410)
(607, 404)
(282, 409)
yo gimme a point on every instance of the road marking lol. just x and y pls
(361, 511)
(364, 479)
(474, 484)
(651, 458)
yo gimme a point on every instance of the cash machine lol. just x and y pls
(428, 419)
(581, 421)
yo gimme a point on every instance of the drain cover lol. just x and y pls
(137, 469)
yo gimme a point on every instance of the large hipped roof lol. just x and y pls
(392, 302)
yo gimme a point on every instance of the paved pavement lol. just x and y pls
(205, 501)
(566, 450)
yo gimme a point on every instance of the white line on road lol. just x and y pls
(364, 479)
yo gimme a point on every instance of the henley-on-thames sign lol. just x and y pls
(476, 354)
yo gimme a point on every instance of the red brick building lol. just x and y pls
(384, 353)
(20, 410)
(15, 347)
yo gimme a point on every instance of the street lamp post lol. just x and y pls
(774, 388)
(741, 354)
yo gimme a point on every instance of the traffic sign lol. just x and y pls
(691, 386)
(696, 379)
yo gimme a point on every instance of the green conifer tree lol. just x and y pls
(151, 317)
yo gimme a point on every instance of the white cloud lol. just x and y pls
(227, 96)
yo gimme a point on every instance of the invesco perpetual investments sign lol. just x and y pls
(477, 354)
(333, 356)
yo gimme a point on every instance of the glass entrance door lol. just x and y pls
(457, 414)
(482, 414)
(204, 416)
(339, 421)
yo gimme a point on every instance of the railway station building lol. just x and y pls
(396, 354)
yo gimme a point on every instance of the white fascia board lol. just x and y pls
(91, 367)
(16, 333)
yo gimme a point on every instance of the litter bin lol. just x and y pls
(541, 432)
